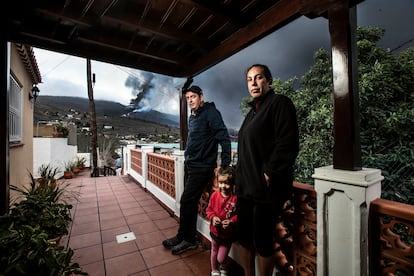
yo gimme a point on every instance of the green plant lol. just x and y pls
(47, 174)
(61, 129)
(69, 166)
(80, 162)
(44, 206)
(29, 233)
(28, 250)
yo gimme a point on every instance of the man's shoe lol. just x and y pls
(171, 242)
(182, 247)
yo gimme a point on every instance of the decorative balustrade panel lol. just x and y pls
(297, 231)
(136, 160)
(161, 172)
(205, 196)
(391, 238)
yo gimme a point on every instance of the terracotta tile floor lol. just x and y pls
(115, 205)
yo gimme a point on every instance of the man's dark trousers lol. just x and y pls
(195, 180)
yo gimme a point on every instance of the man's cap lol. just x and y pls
(195, 89)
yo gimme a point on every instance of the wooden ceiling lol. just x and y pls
(179, 38)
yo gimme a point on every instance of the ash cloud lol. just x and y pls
(153, 92)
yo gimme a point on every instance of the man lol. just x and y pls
(206, 130)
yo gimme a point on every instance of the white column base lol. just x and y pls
(179, 178)
(343, 199)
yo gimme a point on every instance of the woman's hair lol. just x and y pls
(230, 172)
(266, 71)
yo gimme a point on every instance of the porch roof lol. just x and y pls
(179, 38)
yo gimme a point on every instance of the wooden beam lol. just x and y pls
(275, 17)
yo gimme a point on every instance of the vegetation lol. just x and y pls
(47, 174)
(108, 147)
(80, 162)
(386, 86)
(69, 166)
(61, 129)
(29, 234)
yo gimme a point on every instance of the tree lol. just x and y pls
(94, 130)
(386, 91)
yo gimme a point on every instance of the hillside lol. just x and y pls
(49, 108)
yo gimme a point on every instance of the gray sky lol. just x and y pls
(288, 52)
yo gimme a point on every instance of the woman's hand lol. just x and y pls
(267, 179)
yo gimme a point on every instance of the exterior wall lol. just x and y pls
(21, 162)
(53, 151)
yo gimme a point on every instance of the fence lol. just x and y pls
(388, 246)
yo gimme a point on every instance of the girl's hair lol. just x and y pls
(229, 171)
(266, 71)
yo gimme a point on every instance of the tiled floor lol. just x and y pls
(115, 205)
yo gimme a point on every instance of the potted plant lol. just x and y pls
(69, 166)
(75, 168)
(61, 130)
(80, 162)
(29, 234)
(47, 175)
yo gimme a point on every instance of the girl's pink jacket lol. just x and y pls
(224, 208)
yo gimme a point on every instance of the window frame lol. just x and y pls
(15, 111)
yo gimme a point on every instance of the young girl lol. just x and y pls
(221, 211)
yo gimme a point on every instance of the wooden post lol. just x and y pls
(4, 129)
(183, 114)
(347, 146)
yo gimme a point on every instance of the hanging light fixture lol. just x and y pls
(34, 93)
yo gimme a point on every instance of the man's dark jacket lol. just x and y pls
(206, 130)
(268, 142)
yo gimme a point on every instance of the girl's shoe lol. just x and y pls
(288, 269)
(223, 272)
(215, 273)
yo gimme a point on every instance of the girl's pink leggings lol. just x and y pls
(219, 252)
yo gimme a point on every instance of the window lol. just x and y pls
(15, 111)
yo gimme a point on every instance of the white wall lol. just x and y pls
(53, 151)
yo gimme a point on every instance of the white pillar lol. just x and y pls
(145, 150)
(127, 158)
(343, 199)
(179, 178)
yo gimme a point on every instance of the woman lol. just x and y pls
(267, 148)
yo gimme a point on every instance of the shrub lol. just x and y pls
(29, 234)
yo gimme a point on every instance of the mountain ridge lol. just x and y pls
(65, 104)
(124, 120)
(76, 109)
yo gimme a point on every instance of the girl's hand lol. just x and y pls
(216, 221)
(225, 223)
